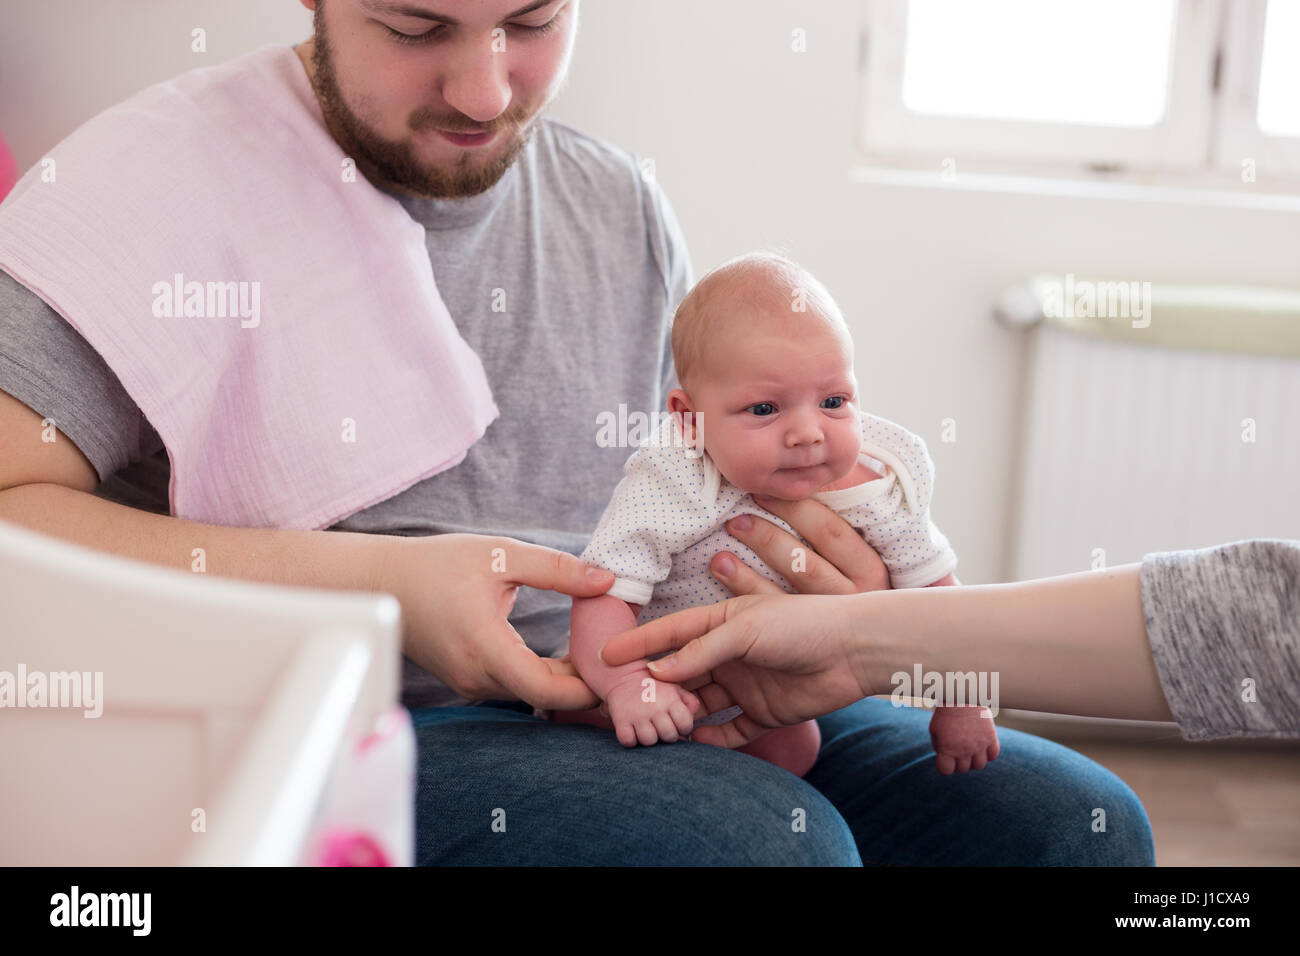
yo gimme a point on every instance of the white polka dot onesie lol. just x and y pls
(666, 520)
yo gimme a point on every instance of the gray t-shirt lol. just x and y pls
(1224, 628)
(562, 278)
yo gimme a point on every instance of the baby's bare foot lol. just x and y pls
(964, 738)
(793, 748)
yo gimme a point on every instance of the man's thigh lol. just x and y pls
(502, 787)
(1038, 804)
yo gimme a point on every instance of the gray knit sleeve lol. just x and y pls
(1224, 628)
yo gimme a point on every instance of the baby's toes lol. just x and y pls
(692, 702)
(663, 722)
(682, 718)
(977, 762)
(994, 749)
(963, 764)
(626, 734)
(945, 764)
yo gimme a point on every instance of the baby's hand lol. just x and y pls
(648, 710)
(964, 738)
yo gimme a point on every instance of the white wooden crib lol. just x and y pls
(237, 722)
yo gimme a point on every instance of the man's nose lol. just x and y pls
(477, 82)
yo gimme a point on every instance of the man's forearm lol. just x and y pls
(324, 559)
(1074, 644)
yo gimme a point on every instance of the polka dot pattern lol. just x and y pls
(666, 520)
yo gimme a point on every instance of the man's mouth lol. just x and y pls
(481, 138)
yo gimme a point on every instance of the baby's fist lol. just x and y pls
(964, 738)
(646, 710)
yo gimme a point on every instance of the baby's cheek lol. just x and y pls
(745, 472)
(849, 445)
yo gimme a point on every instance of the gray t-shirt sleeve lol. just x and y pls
(673, 257)
(48, 366)
(1224, 628)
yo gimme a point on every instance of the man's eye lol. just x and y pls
(837, 399)
(401, 37)
(541, 30)
(762, 405)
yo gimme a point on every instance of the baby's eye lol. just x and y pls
(837, 399)
(762, 405)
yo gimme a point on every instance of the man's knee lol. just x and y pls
(1118, 831)
(761, 815)
(1085, 816)
(572, 795)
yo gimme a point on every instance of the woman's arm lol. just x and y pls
(1209, 638)
(1074, 644)
(1069, 645)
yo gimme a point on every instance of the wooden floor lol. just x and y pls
(1215, 803)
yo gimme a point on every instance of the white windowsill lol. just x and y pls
(1172, 188)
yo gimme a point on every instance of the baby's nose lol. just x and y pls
(806, 431)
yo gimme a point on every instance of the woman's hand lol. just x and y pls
(457, 591)
(835, 558)
(783, 658)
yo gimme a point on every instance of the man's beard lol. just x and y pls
(397, 163)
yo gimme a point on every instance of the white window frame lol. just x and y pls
(1208, 130)
(1240, 140)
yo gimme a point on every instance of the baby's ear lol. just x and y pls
(678, 401)
(679, 406)
(686, 425)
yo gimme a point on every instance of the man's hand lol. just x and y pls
(457, 591)
(783, 658)
(836, 559)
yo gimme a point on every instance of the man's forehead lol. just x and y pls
(430, 11)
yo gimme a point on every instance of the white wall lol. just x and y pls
(753, 144)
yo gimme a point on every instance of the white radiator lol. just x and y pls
(1177, 428)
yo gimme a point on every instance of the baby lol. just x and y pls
(768, 406)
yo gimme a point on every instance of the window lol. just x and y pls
(1200, 86)
(1260, 92)
(1043, 62)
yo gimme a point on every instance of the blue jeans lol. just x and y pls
(497, 786)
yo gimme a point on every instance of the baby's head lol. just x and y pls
(765, 363)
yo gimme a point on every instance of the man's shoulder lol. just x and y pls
(608, 189)
(599, 156)
(187, 96)
(202, 104)
(590, 171)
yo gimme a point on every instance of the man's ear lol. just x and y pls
(309, 4)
